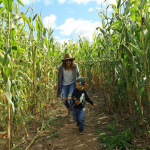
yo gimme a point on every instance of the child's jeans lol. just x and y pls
(67, 92)
(78, 115)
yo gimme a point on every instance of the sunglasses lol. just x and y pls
(68, 60)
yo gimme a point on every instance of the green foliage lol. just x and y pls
(52, 136)
(119, 140)
(59, 118)
(98, 131)
(112, 127)
(51, 120)
(20, 2)
(57, 124)
(17, 148)
(8, 5)
(138, 149)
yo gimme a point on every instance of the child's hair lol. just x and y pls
(81, 80)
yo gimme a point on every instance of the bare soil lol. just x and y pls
(57, 132)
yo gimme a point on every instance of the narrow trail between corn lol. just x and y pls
(62, 134)
(69, 137)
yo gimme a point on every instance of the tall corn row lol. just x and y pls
(128, 31)
(18, 50)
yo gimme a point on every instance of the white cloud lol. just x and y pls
(81, 1)
(99, 9)
(102, 9)
(85, 28)
(28, 2)
(90, 9)
(61, 1)
(107, 2)
(87, 1)
(47, 2)
(49, 21)
(61, 41)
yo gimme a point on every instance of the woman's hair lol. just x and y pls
(65, 66)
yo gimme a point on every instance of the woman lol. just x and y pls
(68, 72)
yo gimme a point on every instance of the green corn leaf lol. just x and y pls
(30, 19)
(40, 21)
(146, 39)
(1, 1)
(142, 4)
(23, 16)
(105, 16)
(127, 7)
(14, 47)
(13, 33)
(115, 24)
(34, 17)
(147, 24)
(8, 5)
(138, 51)
(128, 51)
(1, 57)
(1, 10)
(6, 60)
(114, 7)
(20, 2)
(44, 32)
(132, 16)
(118, 4)
(8, 94)
(27, 20)
(29, 23)
(38, 31)
(102, 30)
(102, 44)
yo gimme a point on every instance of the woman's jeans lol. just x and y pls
(66, 93)
(78, 116)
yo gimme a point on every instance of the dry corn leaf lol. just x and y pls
(2, 135)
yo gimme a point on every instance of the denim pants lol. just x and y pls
(67, 92)
(78, 115)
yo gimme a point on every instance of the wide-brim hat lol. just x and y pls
(68, 56)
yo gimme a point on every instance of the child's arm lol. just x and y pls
(89, 100)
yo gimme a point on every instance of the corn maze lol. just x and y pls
(116, 63)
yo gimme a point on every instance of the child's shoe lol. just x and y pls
(81, 132)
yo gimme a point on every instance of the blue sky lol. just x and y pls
(69, 18)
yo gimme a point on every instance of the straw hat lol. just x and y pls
(68, 56)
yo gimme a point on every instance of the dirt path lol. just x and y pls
(56, 132)
(65, 134)
(69, 137)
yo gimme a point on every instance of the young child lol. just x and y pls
(79, 97)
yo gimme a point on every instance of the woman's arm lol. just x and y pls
(59, 80)
(77, 71)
